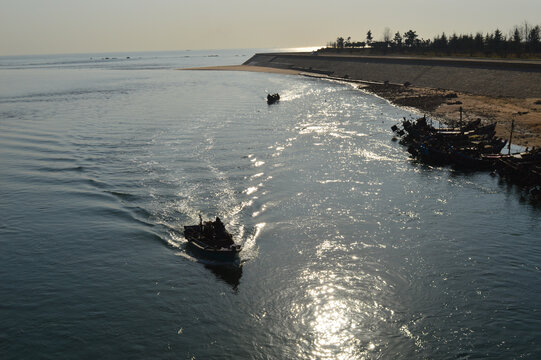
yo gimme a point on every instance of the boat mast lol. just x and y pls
(510, 137)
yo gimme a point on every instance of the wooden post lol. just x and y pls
(510, 137)
(461, 116)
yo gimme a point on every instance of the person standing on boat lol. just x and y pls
(223, 237)
(219, 226)
(208, 230)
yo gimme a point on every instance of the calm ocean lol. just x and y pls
(351, 250)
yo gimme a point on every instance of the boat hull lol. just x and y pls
(201, 249)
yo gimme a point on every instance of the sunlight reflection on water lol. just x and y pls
(339, 316)
(350, 250)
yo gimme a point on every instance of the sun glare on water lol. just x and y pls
(333, 320)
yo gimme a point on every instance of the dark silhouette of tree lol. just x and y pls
(444, 39)
(489, 41)
(516, 39)
(369, 37)
(498, 36)
(453, 43)
(516, 35)
(479, 42)
(397, 40)
(425, 44)
(497, 42)
(440, 43)
(468, 44)
(410, 38)
(534, 38)
(525, 30)
(522, 40)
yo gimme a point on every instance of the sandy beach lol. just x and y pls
(444, 105)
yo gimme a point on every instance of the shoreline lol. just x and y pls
(249, 68)
(443, 105)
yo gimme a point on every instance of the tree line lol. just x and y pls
(522, 40)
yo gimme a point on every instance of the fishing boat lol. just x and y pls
(272, 98)
(473, 147)
(210, 240)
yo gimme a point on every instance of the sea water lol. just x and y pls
(351, 250)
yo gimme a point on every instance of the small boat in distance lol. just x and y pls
(211, 240)
(272, 98)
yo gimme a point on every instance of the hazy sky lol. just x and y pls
(76, 26)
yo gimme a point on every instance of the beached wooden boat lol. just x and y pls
(472, 148)
(463, 147)
(212, 242)
(522, 169)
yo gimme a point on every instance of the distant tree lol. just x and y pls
(516, 35)
(467, 44)
(525, 30)
(533, 35)
(479, 42)
(369, 37)
(534, 38)
(425, 44)
(497, 42)
(489, 40)
(516, 41)
(397, 40)
(410, 38)
(522, 38)
(498, 36)
(440, 43)
(453, 43)
(443, 40)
